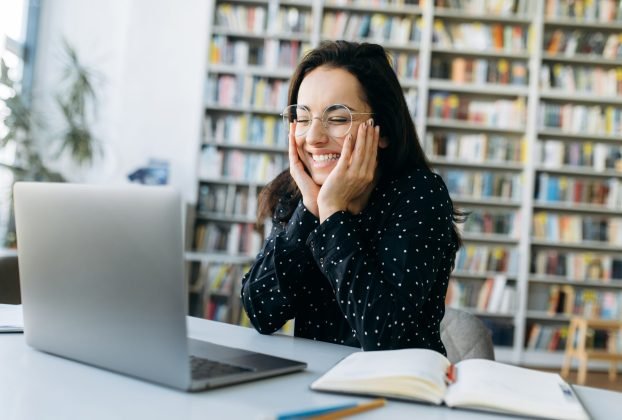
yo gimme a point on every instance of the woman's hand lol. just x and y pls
(308, 188)
(350, 183)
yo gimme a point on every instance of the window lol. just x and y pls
(14, 21)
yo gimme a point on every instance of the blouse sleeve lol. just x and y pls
(269, 288)
(382, 284)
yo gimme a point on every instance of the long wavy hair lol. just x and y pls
(371, 65)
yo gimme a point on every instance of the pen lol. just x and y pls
(332, 412)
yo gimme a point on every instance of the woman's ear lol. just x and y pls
(383, 143)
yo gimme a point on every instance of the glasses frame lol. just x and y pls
(322, 120)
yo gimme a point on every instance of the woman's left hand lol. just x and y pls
(351, 181)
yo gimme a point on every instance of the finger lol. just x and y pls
(359, 147)
(346, 153)
(295, 163)
(292, 151)
(371, 149)
(369, 138)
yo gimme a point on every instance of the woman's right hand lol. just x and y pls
(306, 185)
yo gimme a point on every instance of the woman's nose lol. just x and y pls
(316, 133)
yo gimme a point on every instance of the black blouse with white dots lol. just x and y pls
(376, 280)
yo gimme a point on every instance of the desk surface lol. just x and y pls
(35, 385)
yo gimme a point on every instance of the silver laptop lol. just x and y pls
(101, 271)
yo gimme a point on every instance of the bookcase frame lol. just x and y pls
(424, 84)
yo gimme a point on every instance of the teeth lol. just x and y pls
(325, 157)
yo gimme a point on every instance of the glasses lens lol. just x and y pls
(338, 120)
(299, 114)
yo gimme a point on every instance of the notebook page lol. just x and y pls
(491, 385)
(383, 372)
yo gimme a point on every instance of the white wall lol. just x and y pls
(151, 56)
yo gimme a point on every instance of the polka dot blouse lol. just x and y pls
(376, 280)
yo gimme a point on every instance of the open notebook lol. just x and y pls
(427, 376)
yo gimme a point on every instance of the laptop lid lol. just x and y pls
(101, 271)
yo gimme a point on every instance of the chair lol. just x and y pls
(9, 280)
(576, 346)
(465, 336)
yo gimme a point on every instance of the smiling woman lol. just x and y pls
(364, 234)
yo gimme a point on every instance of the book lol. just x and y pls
(423, 375)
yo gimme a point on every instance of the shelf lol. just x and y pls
(494, 201)
(575, 207)
(591, 98)
(457, 14)
(489, 238)
(585, 59)
(242, 109)
(481, 89)
(250, 2)
(227, 218)
(583, 24)
(409, 83)
(458, 274)
(296, 3)
(245, 70)
(247, 146)
(217, 30)
(387, 9)
(504, 355)
(585, 245)
(217, 257)
(486, 314)
(545, 316)
(611, 284)
(528, 134)
(480, 53)
(469, 126)
(553, 359)
(559, 134)
(410, 46)
(581, 171)
(492, 165)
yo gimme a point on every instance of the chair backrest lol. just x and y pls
(465, 336)
(9, 280)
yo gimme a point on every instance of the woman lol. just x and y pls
(363, 237)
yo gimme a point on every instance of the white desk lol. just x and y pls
(34, 385)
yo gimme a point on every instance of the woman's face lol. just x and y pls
(320, 89)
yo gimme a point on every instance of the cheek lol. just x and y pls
(300, 141)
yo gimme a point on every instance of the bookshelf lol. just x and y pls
(517, 104)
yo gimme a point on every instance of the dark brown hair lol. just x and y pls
(371, 65)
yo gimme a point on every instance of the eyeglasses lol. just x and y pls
(336, 119)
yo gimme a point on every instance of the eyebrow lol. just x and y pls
(353, 109)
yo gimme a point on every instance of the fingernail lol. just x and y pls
(370, 122)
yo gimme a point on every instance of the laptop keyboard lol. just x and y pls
(205, 368)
